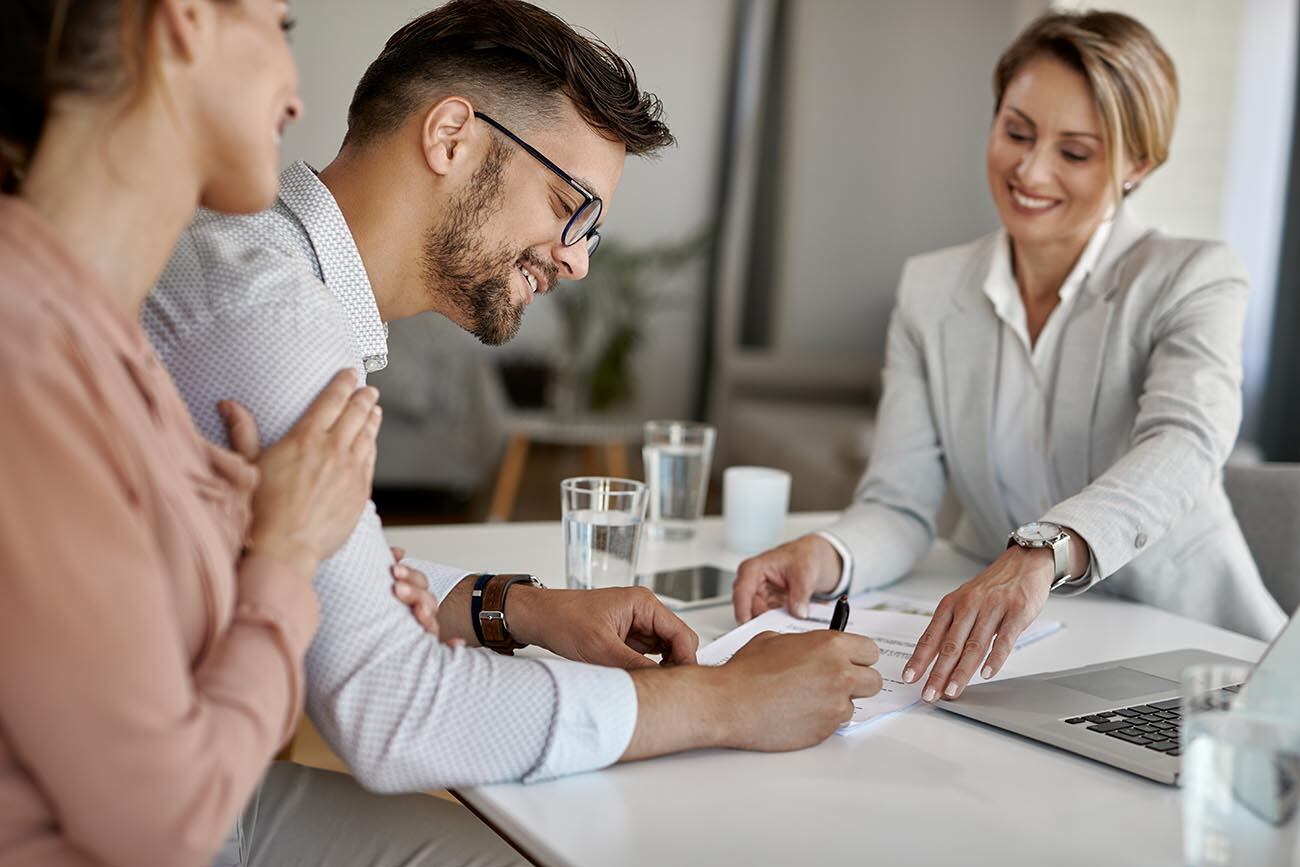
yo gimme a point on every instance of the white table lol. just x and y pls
(922, 787)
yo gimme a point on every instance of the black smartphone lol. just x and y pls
(692, 587)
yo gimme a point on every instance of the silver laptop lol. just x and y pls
(1125, 713)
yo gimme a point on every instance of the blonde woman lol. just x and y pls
(1075, 377)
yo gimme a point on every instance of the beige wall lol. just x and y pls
(1227, 172)
(890, 108)
(1186, 195)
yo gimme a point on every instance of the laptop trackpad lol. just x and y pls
(1117, 684)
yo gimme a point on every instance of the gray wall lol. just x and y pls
(680, 51)
(889, 107)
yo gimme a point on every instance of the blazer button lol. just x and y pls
(1141, 540)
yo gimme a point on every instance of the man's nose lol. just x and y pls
(573, 260)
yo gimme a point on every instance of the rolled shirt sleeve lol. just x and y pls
(404, 711)
(409, 713)
(594, 719)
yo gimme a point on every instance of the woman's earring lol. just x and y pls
(1128, 186)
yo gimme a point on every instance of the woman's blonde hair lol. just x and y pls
(1132, 79)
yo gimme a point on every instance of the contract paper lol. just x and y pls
(894, 622)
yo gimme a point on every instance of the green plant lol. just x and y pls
(603, 318)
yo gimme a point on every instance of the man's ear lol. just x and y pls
(445, 133)
(183, 28)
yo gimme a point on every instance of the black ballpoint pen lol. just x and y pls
(840, 618)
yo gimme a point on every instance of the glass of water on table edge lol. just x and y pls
(1241, 769)
(677, 455)
(602, 530)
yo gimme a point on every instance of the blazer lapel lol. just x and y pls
(1078, 374)
(970, 334)
(1082, 353)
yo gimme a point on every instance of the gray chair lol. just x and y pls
(1266, 499)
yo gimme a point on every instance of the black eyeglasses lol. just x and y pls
(582, 225)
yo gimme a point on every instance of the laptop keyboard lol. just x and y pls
(1154, 726)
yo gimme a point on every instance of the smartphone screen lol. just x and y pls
(690, 587)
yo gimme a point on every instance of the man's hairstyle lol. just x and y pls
(507, 57)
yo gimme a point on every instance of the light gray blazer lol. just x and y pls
(1145, 411)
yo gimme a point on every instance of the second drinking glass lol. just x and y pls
(677, 456)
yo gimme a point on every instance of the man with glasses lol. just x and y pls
(483, 147)
(582, 225)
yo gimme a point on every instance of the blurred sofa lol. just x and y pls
(444, 408)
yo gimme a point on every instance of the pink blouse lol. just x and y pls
(147, 672)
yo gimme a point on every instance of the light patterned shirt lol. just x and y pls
(1026, 383)
(264, 309)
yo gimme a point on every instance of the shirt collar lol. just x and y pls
(1000, 285)
(303, 193)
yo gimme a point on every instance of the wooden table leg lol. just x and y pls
(616, 460)
(511, 473)
(592, 465)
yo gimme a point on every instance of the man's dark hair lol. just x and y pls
(509, 57)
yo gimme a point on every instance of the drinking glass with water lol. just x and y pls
(602, 529)
(677, 455)
(1240, 772)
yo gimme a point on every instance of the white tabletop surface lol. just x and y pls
(921, 787)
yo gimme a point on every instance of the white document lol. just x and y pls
(894, 622)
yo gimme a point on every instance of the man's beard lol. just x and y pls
(457, 264)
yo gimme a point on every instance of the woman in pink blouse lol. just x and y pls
(151, 628)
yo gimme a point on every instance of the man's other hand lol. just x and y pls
(614, 626)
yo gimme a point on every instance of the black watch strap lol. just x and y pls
(476, 603)
(488, 608)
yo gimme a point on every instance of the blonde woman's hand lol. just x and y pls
(990, 610)
(787, 576)
(315, 480)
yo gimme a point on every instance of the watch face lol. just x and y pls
(1039, 531)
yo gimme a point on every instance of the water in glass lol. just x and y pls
(1241, 790)
(678, 475)
(600, 548)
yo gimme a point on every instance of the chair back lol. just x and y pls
(1266, 500)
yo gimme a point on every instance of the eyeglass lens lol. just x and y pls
(582, 223)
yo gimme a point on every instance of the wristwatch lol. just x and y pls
(1045, 534)
(488, 610)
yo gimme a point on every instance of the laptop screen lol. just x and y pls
(1274, 686)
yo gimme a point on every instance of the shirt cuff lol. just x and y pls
(441, 578)
(595, 716)
(1075, 586)
(846, 570)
